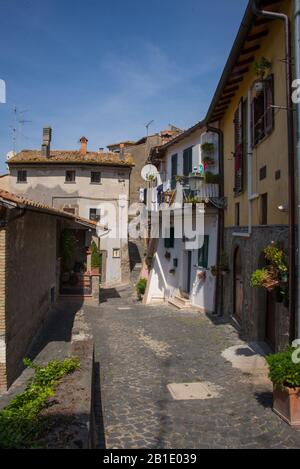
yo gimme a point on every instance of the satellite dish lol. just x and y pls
(149, 170)
(10, 154)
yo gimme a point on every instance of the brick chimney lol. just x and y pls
(83, 145)
(122, 151)
(47, 135)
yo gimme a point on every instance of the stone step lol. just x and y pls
(182, 300)
(179, 304)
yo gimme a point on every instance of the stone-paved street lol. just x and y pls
(143, 349)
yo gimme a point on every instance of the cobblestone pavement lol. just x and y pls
(143, 349)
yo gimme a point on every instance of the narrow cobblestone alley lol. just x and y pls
(141, 350)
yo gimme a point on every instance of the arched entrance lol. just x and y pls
(238, 294)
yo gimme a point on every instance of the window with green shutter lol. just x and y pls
(203, 253)
(169, 242)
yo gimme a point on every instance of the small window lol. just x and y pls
(169, 242)
(95, 214)
(95, 177)
(237, 214)
(277, 175)
(70, 176)
(116, 253)
(22, 176)
(263, 173)
(203, 253)
(264, 209)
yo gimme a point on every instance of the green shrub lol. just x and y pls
(69, 245)
(259, 277)
(141, 287)
(95, 257)
(19, 421)
(282, 370)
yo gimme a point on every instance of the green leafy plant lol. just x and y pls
(262, 67)
(191, 199)
(151, 178)
(141, 288)
(283, 372)
(69, 244)
(208, 147)
(211, 178)
(95, 257)
(275, 275)
(20, 424)
(208, 160)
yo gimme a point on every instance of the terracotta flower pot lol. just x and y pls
(286, 404)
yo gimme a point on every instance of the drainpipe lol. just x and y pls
(220, 244)
(251, 196)
(297, 72)
(291, 185)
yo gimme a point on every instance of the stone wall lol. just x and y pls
(30, 275)
(254, 299)
(3, 380)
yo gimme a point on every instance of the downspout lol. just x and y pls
(291, 157)
(297, 72)
(220, 243)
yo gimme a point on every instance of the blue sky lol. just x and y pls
(105, 68)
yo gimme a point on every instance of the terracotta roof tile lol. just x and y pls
(71, 157)
(22, 202)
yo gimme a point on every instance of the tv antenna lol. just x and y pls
(18, 121)
(147, 127)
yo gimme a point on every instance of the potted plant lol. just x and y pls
(284, 372)
(211, 178)
(141, 288)
(208, 161)
(275, 275)
(208, 147)
(261, 69)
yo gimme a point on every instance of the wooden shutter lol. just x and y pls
(174, 170)
(187, 161)
(269, 102)
(239, 149)
(203, 253)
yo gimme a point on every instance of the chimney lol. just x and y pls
(83, 145)
(47, 135)
(122, 151)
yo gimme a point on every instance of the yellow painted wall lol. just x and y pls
(272, 151)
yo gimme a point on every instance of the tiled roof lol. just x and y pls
(71, 157)
(21, 202)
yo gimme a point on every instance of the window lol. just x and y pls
(169, 242)
(22, 176)
(263, 173)
(70, 176)
(116, 253)
(95, 214)
(277, 175)
(237, 214)
(264, 209)
(238, 150)
(95, 177)
(188, 161)
(203, 253)
(69, 210)
(262, 111)
(174, 164)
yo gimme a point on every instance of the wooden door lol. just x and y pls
(238, 287)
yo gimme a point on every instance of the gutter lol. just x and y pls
(220, 246)
(297, 75)
(291, 156)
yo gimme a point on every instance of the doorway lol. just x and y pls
(238, 296)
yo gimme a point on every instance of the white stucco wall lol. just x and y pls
(164, 284)
(47, 184)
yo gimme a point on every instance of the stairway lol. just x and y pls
(180, 302)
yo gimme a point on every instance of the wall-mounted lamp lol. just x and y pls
(283, 208)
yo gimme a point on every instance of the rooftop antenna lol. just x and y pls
(18, 121)
(147, 127)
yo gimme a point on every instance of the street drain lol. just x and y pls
(194, 391)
